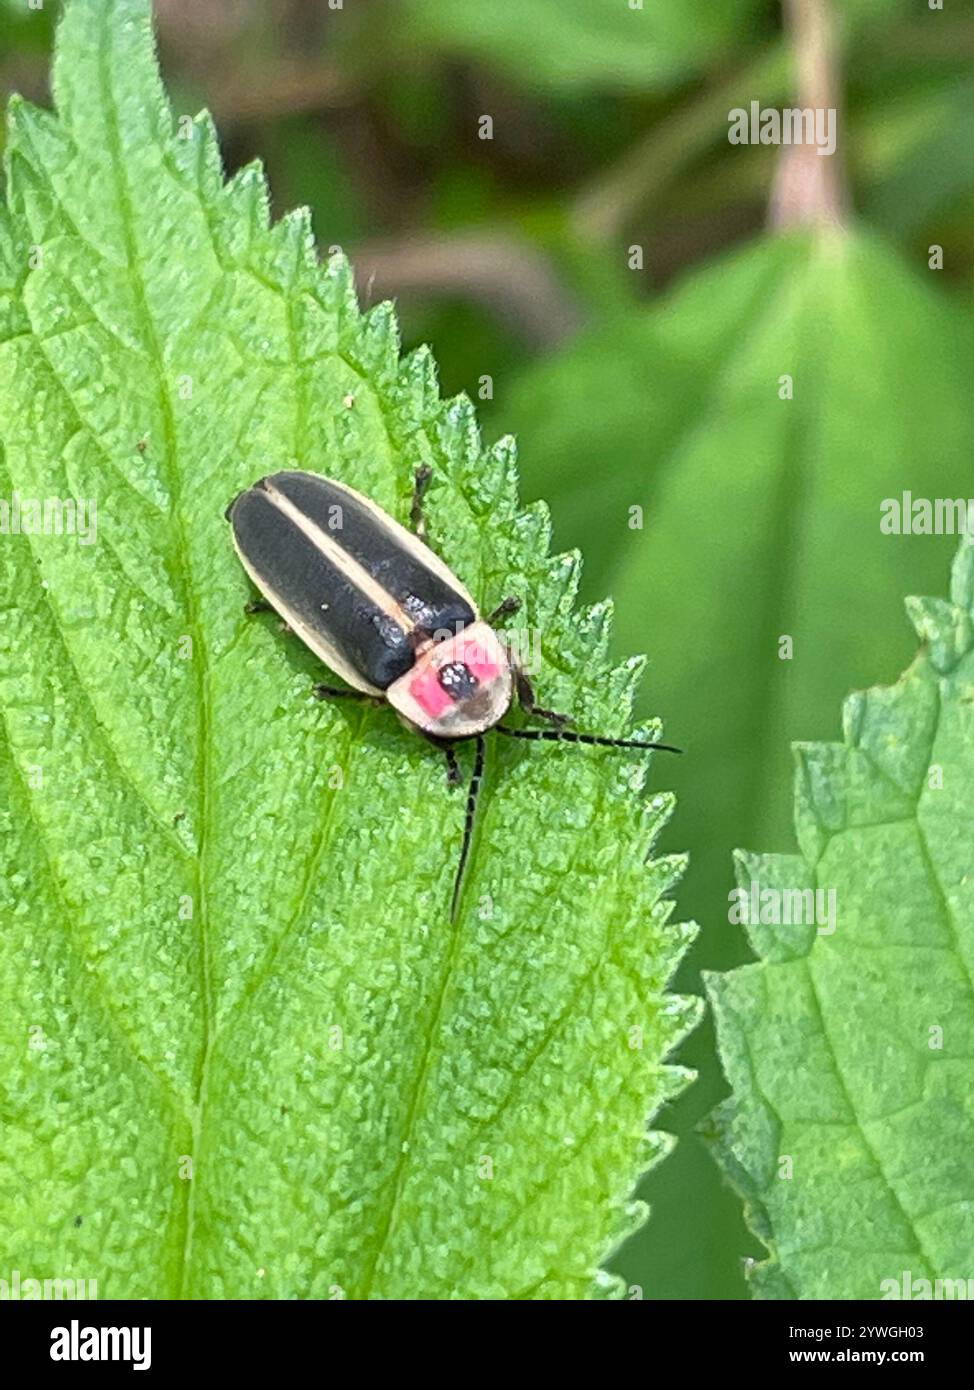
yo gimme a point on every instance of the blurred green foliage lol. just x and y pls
(761, 520)
(655, 387)
(573, 45)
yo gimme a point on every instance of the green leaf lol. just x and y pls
(760, 517)
(581, 44)
(913, 144)
(569, 47)
(849, 1050)
(244, 1051)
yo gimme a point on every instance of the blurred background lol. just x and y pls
(718, 359)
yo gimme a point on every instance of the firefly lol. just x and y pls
(379, 607)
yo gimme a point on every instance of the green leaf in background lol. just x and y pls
(23, 28)
(760, 518)
(916, 148)
(850, 1130)
(244, 1051)
(579, 44)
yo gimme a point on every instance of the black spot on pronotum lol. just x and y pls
(457, 680)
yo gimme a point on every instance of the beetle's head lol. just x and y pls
(458, 687)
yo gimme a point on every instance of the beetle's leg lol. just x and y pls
(261, 605)
(593, 740)
(338, 692)
(525, 695)
(452, 766)
(449, 752)
(504, 610)
(525, 690)
(421, 482)
(468, 822)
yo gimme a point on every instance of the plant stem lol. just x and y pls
(809, 187)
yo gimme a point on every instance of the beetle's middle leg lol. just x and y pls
(341, 692)
(525, 696)
(417, 516)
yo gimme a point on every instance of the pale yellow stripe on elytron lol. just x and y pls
(345, 563)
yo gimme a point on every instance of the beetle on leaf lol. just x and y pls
(383, 611)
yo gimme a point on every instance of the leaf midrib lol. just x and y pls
(191, 607)
(200, 661)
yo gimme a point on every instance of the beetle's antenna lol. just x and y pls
(570, 736)
(472, 795)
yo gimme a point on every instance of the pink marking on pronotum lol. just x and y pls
(425, 686)
(468, 651)
(428, 693)
(479, 664)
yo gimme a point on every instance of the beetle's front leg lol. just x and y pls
(504, 610)
(525, 696)
(452, 766)
(449, 752)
